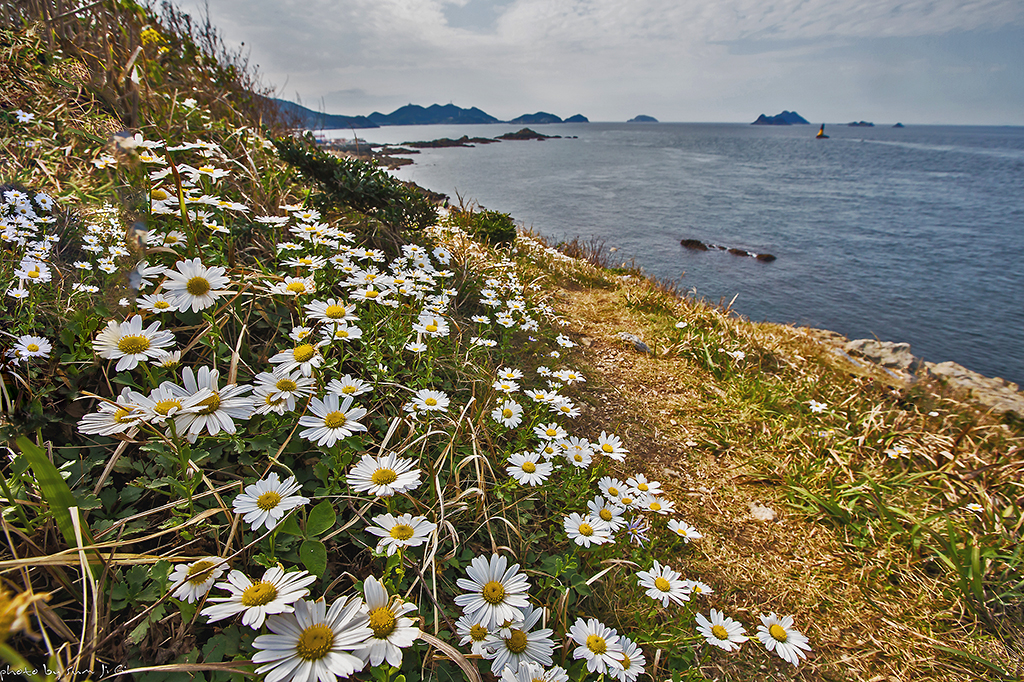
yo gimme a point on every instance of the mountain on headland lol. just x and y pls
(414, 114)
(314, 120)
(578, 118)
(536, 119)
(786, 118)
(642, 119)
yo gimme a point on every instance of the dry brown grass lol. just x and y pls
(871, 614)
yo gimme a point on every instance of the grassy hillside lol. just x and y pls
(267, 409)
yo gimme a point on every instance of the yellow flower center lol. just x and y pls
(133, 345)
(335, 420)
(286, 385)
(334, 312)
(517, 642)
(506, 413)
(430, 402)
(493, 592)
(121, 415)
(431, 328)
(159, 195)
(33, 273)
(306, 260)
(268, 500)
(607, 448)
(642, 487)
(613, 491)
(341, 333)
(778, 632)
(401, 531)
(597, 644)
(551, 433)
(577, 457)
(259, 594)
(161, 305)
(304, 353)
(210, 405)
(200, 572)
(382, 622)
(529, 467)
(586, 530)
(370, 293)
(697, 589)
(314, 642)
(348, 390)
(478, 633)
(164, 407)
(173, 239)
(198, 286)
(720, 632)
(296, 287)
(32, 347)
(625, 661)
(655, 506)
(605, 515)
(383, 477)
(627, 501)
(662, 584)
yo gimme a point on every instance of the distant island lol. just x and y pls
(861, 124)
(411, 114)
(786, 118)
(642, 119)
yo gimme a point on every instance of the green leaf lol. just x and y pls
(314, 556)
(290, 526)
(321, 519)
(55, 492)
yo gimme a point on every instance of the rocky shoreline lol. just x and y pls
(896, 361)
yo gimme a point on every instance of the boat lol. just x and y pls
(821, 133)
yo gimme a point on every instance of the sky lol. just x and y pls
(913, 61)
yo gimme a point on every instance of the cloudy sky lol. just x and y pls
(915, 61)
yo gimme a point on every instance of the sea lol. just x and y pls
(912, 234)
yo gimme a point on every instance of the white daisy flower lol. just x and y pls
(400, 531)
(195, 579)
(611, 446)
(293, 286)
(505, 386)
(697, 587)
(304, 356)
(416, 347)
(120, 416)
(663, 584)
(495, 592)
(331, 311)
(334, 420)
(533, 672)
(514, 645)
(658, 505)
(564, 407)
(632, 663)
(510, 374)
(472, 633)
(216, 412)
(509, 414)
(428, 400)
(586, 530)
(129, 344)
(195, 286)
(550, 431)
(640, 484)
(528, 469)
(29, 346)
(721, 631)
(612, 488)
(609, 512)
(284, 386)
(778, 635)
(257, 599)
(348, 386)
(598, 644)
(155, 303)
(816, 407)
(391, 630)
(312, 644)
(265, 502)
(384, 476)
(685, 530)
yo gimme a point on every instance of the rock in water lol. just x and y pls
(885, 353)
(999, 395)
(695, 244)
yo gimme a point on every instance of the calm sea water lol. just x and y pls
(913, 234)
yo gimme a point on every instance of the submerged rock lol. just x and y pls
(695, 244)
